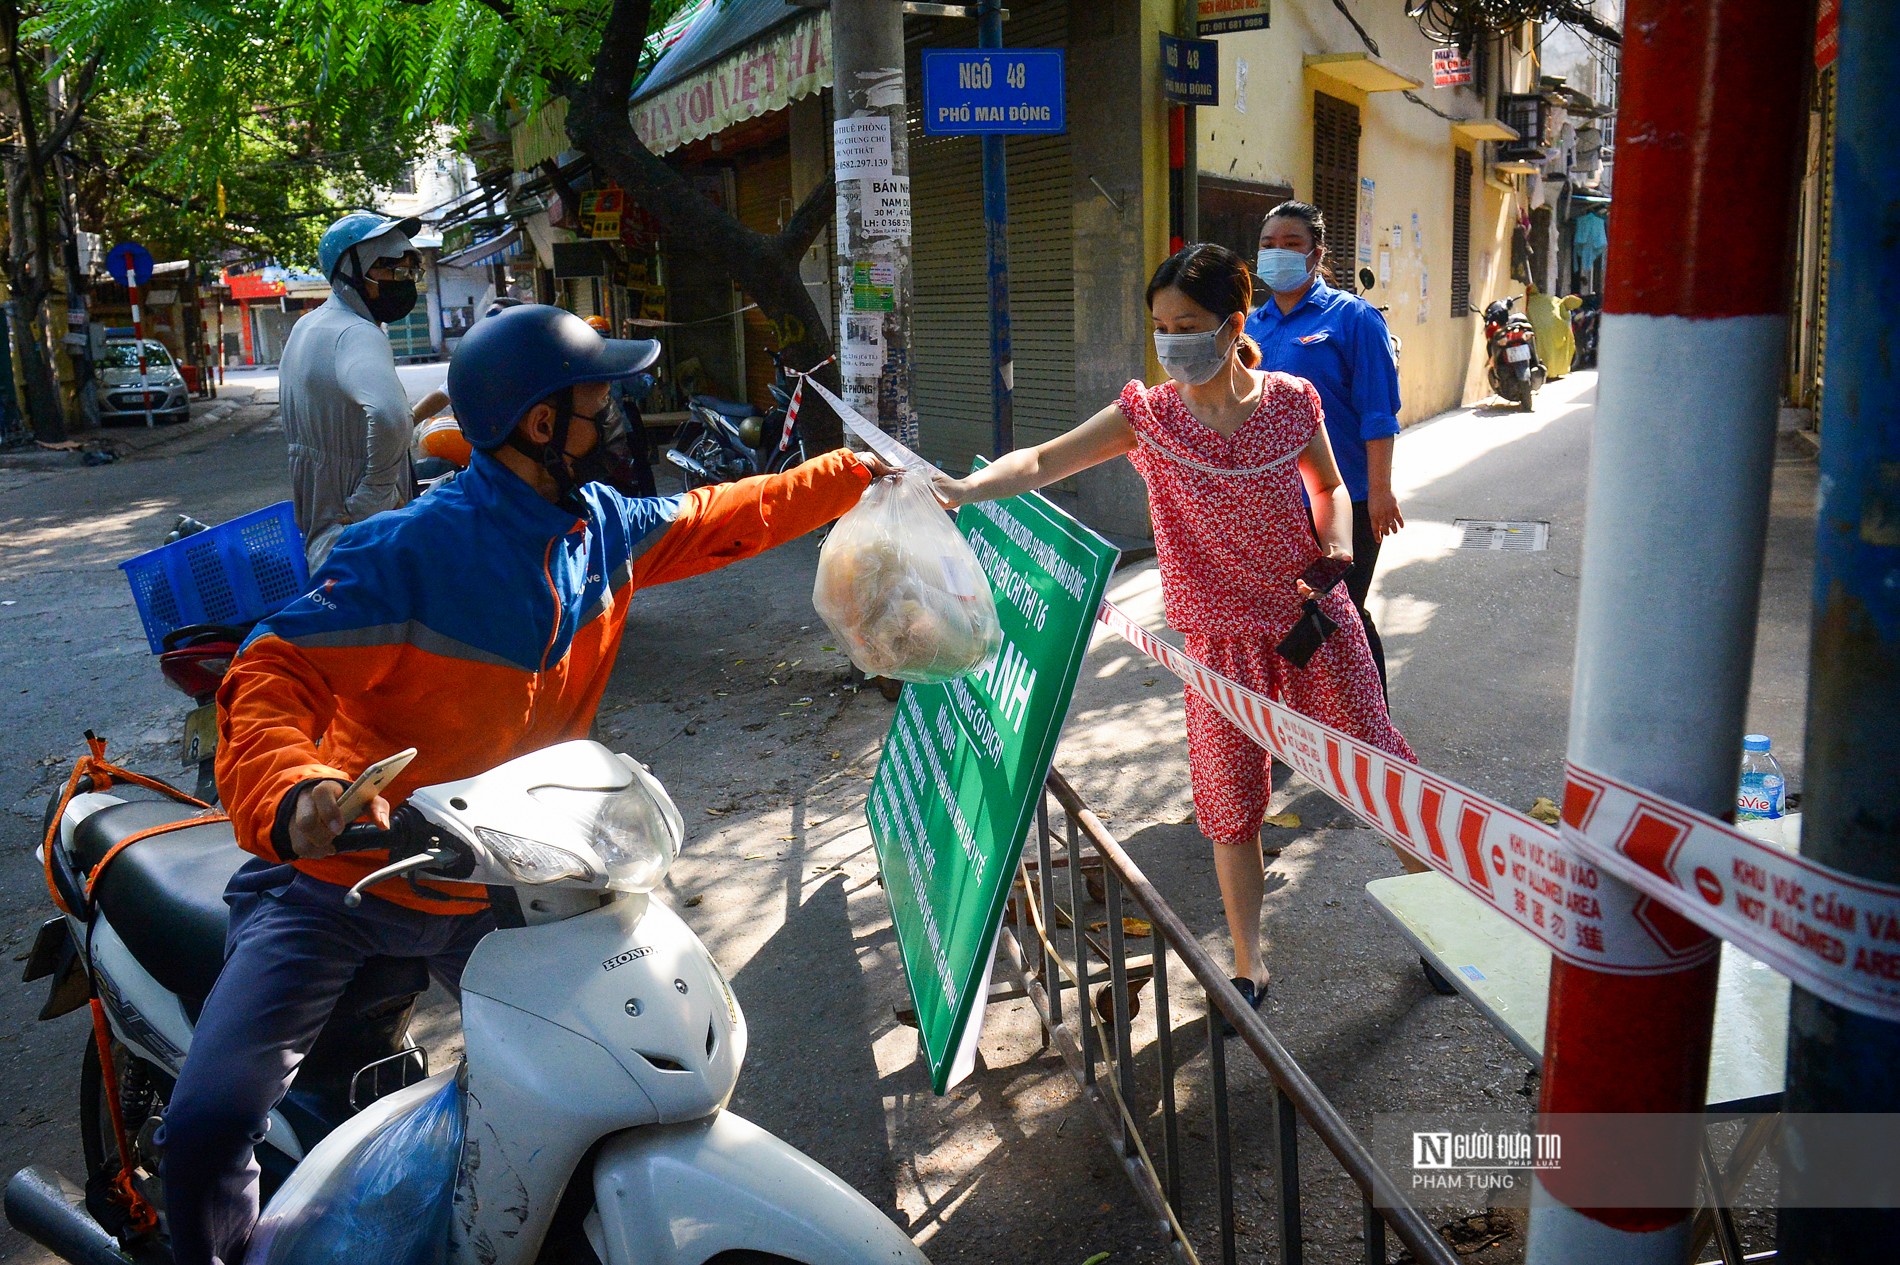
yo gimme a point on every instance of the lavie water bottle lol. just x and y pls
(1763, 791)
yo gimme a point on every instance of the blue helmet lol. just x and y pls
(511, 361)
(352, 230)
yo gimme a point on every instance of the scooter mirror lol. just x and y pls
(1366, 279)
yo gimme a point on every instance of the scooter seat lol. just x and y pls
(727, 408)
(164, 895)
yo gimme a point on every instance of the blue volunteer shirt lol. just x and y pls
(1336, 341)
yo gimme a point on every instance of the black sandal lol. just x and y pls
(1245, 987)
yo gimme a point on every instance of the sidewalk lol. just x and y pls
(229, 411)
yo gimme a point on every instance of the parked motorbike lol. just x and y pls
(722, 441)
(1584, 323)
(602, 1042)
(1511, 350)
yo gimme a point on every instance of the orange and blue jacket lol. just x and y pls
(476, 624)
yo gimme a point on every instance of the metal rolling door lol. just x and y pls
(950, 322)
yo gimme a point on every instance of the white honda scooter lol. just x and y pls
(602, 1041)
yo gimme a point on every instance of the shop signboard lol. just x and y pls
(1223, 17)
(1450, 68)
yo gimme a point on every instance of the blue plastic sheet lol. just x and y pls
(388, 1200)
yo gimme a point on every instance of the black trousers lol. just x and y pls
(1365, 556)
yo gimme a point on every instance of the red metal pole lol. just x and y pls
(1709, 130)
(138, 341)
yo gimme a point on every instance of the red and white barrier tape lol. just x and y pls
(1835, 935)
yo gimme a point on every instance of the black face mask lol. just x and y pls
(394, 300)
(609, 461)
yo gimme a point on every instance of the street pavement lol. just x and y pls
(731, 691)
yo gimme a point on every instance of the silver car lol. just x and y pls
(124, 396)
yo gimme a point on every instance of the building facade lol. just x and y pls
(1429, 192)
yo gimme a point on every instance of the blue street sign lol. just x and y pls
(1007, 91)
(129, 259)
(1190, 70)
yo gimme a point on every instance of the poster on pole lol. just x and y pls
(861, 147)
(962, 771)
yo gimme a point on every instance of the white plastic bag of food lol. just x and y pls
(901, 590)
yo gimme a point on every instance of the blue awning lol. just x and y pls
(722, 27)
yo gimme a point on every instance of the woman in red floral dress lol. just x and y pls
(1227, 453)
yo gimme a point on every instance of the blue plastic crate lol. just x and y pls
(235, 573)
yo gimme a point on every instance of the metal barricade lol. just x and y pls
(1096, 1041)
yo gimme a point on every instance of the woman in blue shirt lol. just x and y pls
(1338, 342)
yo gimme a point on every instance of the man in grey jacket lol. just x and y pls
(346, 414)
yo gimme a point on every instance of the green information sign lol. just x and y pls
(957, 787)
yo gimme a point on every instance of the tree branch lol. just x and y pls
(75, 109)
(617, 60)
(809, 219)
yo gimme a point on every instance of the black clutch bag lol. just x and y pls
(1300, 645)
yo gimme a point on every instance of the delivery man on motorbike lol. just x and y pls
(346, 415)
(476, 624)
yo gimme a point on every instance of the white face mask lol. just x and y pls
(1283, 270)
(1192, 359)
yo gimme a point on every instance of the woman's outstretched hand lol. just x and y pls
(949, 492)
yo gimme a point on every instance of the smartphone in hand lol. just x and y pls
(1325, 573)
(371, 783)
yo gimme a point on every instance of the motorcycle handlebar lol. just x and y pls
(410, 834)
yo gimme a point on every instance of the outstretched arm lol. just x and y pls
(710, 527)
(1105, 436)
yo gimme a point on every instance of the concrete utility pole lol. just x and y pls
(871, 160)
(1840, 1061)
(1673, 561)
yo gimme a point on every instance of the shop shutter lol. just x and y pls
(1460, 232)
(1336, 182)
(950, 328)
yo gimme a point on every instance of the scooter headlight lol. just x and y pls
(629, 829)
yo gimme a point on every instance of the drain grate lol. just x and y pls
(1500, 536)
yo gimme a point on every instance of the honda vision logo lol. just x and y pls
(621, 959)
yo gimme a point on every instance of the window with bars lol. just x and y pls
(1336, 182)
(1460, 233)
(1524, 112)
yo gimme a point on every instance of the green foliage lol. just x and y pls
(296, 106)
(285, 177)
